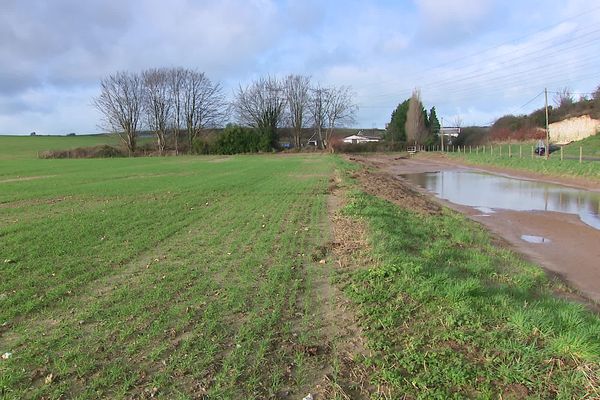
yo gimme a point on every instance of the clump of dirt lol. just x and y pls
(384, 185)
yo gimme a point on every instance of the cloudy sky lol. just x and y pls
(472, 59)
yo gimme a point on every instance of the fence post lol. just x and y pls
(500, 150)
(491, 150)
(532, 153)
(509, 150)
(520, 151)
(580, 154)
(561, 153)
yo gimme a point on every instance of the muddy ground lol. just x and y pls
(574, 251)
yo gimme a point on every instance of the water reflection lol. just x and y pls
(535, 239)
(483, 190)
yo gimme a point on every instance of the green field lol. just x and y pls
(122, 274)
(213, 277)
(27, 147)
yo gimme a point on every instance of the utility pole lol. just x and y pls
(547, 128)
(442, 134)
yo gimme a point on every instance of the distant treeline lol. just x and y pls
(168, 101)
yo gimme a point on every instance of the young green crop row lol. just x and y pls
(185, 277)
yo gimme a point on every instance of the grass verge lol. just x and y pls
(553, 166)
(451, 315)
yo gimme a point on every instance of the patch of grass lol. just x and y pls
(553, 166)
(590, 147)
(449, 315)
(170, 277)
(27, 147)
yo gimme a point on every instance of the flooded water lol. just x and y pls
(488, 192)
(535, 239)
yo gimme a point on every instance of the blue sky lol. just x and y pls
(475, 60)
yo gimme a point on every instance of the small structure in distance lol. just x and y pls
(360, 138)
(448, 133)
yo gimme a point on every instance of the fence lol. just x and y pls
(523, 150)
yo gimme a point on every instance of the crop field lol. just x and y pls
(139, 276)
(267, 276)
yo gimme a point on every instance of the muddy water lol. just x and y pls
(488, 192)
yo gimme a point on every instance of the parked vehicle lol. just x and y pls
(540, 148)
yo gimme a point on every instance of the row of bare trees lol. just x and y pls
(269, 102)
(167, 101)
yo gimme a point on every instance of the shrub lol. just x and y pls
(238, 139)
(102, 151)
(369, 147)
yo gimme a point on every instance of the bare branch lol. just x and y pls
(203, 103)
(158, 103)
(120, 102)
(340, 110)
(297, 93)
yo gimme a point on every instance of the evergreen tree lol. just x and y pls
(434, 123)
(396, 131)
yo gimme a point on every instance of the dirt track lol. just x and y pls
(574, 252)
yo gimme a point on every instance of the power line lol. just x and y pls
(478, 53)
(465, 77)
(532, 100)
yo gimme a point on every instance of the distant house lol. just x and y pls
(360, 138)
(32, 134)
(449, 133)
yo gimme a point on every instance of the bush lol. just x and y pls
(202, 146)
(369, 147)
(102, 151)
(238, 139)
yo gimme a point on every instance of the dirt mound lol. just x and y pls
(386, 186)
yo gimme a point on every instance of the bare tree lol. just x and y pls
(319, 100)
(120, 102)
(297, 93)
(458, 121)
(339, 110)
(176, 78)
(596, 94)
(564, 97)
(203, 104)
(158, 103)
(261, 105)
(416, 131)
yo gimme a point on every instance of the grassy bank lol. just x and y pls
(553, 166)
(164, 277)
(450, 315)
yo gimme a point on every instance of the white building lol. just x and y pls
(360, 138)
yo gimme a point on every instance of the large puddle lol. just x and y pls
(486, 191)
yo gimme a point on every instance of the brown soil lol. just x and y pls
(347, 251)
(574, 250)
(386, 186)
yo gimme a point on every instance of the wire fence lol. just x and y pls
(569, 152)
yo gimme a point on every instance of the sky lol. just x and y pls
(474, 60)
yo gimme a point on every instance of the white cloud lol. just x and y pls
(58, 51)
